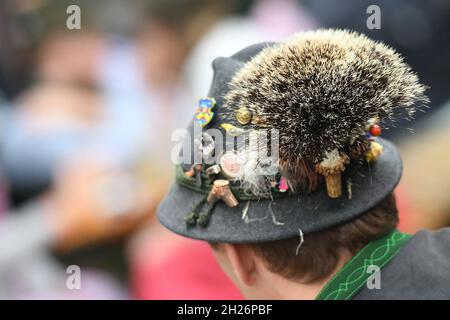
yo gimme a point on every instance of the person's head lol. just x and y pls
(276, 269)
(326, 95)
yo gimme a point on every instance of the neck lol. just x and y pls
(285, 289)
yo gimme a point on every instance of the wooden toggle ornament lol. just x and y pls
(332, 167)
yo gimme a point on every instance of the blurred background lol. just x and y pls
(86, 117)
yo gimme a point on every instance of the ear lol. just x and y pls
(242, 260)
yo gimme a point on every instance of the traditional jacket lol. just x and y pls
(396, 266)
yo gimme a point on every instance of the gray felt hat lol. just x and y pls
(328, 93)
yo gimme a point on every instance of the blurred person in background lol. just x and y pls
(60, 100)
(59, 121)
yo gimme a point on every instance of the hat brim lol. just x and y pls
(282, 218)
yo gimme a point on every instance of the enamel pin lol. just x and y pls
(204, 113)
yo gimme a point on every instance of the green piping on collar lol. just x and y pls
(352, 277)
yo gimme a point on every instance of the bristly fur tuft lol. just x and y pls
(320, 89)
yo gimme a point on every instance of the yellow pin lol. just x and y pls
(232, 130)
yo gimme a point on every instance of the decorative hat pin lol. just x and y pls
(221, 190)
(232, 130)
(204, 113)
(375, 149)
(331, 167)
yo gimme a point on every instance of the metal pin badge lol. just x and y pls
(204, 113)
(243, 115)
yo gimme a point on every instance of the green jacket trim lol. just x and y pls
(354, 275)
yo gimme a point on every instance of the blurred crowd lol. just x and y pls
(86, 118)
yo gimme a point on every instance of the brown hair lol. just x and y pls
(321, 251)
